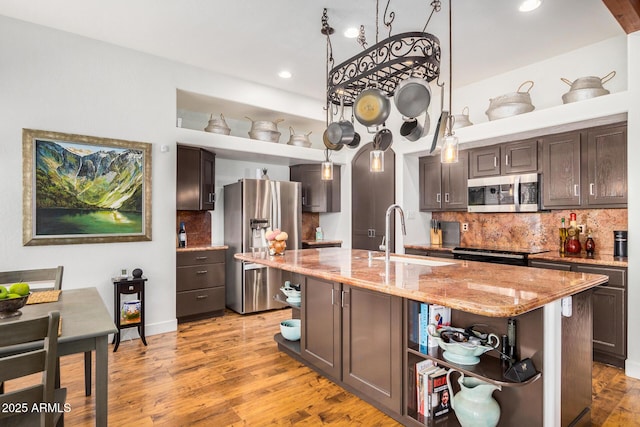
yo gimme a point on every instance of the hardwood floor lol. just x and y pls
(227, 371)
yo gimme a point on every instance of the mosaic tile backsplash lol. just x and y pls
(536, 229)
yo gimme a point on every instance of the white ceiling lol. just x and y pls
(255, 39)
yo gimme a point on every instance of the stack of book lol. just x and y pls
(431, 387)
(437, 315)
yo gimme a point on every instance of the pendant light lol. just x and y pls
(327, 167)
(376, 159)
(449, 150)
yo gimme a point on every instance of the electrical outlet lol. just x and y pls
(465, 226)
(582, 228)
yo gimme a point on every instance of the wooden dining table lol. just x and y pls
(86, 325)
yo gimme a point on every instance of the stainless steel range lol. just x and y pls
(497, 255)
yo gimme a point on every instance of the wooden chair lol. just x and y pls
(35, 404)
(49, 278)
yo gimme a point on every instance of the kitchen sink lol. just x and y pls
(418, 261)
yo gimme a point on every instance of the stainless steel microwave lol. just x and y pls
(510, 193)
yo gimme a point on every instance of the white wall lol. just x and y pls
(56, 81)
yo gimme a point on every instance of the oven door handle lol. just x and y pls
(516, 195)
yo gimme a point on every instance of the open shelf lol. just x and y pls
(292, 348)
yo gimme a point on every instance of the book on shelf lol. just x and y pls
(439, 315)
(438, 393)
(423, 369)
(423, 323)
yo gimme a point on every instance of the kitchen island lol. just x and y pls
(357, 310)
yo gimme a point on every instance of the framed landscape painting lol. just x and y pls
(84, 189)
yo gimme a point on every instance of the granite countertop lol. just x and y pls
(202, 248)
(493, 290)
(596, 259)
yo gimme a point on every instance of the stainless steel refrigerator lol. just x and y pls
(250, 206)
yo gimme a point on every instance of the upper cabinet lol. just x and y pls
(443, 187)
(195, 182)
(586, 168)
(607, 166)
(510, 158)
(317, 195)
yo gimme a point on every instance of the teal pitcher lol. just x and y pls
(474, 404)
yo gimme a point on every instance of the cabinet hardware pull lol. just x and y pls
(591, 185)
(212, 197)
(201, 272)
(495, 162)
(438, 198)
(331, 296)
(202, 296)
(506, 159)
(446, 197)
(576, 190)
(131, 287)
(200, 258)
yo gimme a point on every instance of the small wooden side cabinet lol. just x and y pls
(127, 286)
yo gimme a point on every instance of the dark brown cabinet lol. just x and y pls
(431, 252)
(607, 166)
(200, 284)
(371, 195)
(195, 182)
(561, 170)
(510, 158)
(586, 168)
(609, 310)
(321, 325)
(317, 195)
(346, 337)
(443, 187)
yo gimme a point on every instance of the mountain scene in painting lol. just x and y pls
(83, 189)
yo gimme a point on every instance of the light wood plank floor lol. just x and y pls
(227, 371)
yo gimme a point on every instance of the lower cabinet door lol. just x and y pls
(609, 328)
(320, 335)
(372, 346)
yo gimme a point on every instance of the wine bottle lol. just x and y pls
(182, 236)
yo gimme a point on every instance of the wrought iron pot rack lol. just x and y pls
(385, 64)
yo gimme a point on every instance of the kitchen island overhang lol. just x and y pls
(560, 347)
(493, 290)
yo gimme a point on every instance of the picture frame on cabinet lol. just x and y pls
(83, 189)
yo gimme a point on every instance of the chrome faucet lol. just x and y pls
(387, 231)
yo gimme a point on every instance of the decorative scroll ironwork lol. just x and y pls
(384, 65)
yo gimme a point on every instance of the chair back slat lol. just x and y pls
(28, 397)
(20, 332)
(21, 365)
(53, 275)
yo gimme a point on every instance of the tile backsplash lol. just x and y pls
(198, 226)
(536, 229)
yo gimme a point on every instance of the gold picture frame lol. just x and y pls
(84, 189)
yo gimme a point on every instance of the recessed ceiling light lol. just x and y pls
(284, 74)
(351, 33)
(529, 5)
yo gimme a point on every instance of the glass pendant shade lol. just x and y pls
(376, 161)
(449, 151)
(327, 171)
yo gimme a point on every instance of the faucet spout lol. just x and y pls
(387, 228)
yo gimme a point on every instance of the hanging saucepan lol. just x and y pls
(462, 120)
(341, 132)
(412, 97)
(372, 107)
(383, 139)
(442, 123)
(356, 136)
(586, 87)
(413, 131)
(299, 140)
